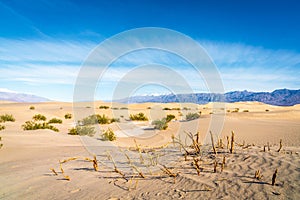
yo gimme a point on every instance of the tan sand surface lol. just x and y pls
(27, 156)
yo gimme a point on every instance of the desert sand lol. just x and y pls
(26, 157)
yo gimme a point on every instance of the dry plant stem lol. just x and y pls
(212, 143)
(215, 166)
(196, 145)
(53, 170)
(232, 142)
(197, 167)
(268, 146)
(223, 164)
(95, 163)
(274, 177)
(69, 159)
(138, 148)
(264, 148)
(169, 173)
(280, 145)
(138, 171)
(257, 175)
(227, 137)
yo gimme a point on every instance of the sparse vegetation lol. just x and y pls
(160, 124)
(245, 110)
(192, 116)
(97, 119)
(68, 116)
(7, 118)
(55, 121)
(82, 130)
(109, 135)
(170, 117)
(32, 108)
(166, 108)
(103, 107)
(39, 117)
(32, 125)
(138, 117)
(2, 127)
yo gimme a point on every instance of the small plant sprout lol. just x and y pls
(274, 177)
(232, 142)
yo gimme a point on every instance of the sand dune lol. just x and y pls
(27, 156)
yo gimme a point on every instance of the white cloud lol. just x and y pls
(58, 62)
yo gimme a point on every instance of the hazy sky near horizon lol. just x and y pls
(254, 44)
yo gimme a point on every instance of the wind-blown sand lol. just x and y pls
(27, 156)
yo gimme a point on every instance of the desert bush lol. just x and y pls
(97, 119)
(39, 117)
(245, 110)
(82, 130)
(185, 108)
(115, 108)
(102, 119)
(31, 107)
(7, 118)
(160, 124)
(103, 107)
(112, 120)
(2, 127)
(166, 108)
(109, 135)
(123, 108)
(175, 108)
(90, 120)
(31, 125)
(68, 116)
(138, 117)
(192, 116)
(55, 121)
(170, 117)
(267, 110)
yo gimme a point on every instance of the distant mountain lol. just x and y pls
(281, 97)
(19, 97)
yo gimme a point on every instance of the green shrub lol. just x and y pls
(138, 117)
(68, 116)
(31, 125)
(82, 130)
(31, 107)
(109, 135)
(2, 127)
(103, 107)
(160, 124)
(98, 119)
(39, 117)
(192, 116)
(55, 121)
(7, 118)
(170, 117)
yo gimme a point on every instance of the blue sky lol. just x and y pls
(254, 44)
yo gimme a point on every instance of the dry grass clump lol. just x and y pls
(2, 127)
(104, 107)
(68, 116)
(32, 125)
(192, 116)
(82, 130)
(138, 117)
(7, 118)
(55, 121)
(109, 135)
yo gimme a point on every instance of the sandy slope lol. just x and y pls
(26, 156)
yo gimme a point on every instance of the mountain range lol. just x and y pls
(20, 97)
(280, 97)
